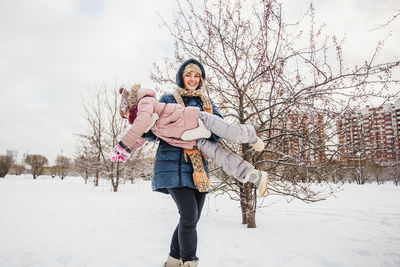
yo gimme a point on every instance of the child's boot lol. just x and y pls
(260, 179)
(172, 262)
(258, 145)
(196, 133)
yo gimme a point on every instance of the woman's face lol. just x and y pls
(191, 80)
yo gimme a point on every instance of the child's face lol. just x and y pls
(191, 80)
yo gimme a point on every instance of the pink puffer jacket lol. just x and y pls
(173, 120)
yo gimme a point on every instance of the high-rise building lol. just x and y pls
(302, 136)
(396, 127)
(13, 154)
(371, 133)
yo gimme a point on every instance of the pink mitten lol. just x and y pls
(119, 153)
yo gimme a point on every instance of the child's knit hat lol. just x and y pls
(128, 99)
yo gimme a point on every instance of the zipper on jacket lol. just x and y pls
(179, 170)
(185, 101)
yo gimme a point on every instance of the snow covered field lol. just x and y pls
(49, 223)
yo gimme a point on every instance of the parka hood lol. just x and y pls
(179, 79)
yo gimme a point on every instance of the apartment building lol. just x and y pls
(13, 154)
(371, 133)
(301, 136)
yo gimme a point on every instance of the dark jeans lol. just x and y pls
(184, 240)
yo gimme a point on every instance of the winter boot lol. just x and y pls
(258, 145)
(196, 133)
(172, 262)
(192, 263)
(260, 179)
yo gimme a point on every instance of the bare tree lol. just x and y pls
(5, 164)
(82, 165)
(37, 163)
(140, 168)
(86, 163)
(288, 79)
(63, 165)
(93, 138)
(392, 173)
(18, 169)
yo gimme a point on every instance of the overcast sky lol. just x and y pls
(52, 51)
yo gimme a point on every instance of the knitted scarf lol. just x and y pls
(200, 177)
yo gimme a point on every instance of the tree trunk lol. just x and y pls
(246, 197)
(251, 211)
(246, 204)
(96, 179)
(114, 184)
(243, 205)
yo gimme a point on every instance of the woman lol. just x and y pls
(173, 174)
(182, 128)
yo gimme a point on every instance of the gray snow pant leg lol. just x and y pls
(233, 133)
(230, 162)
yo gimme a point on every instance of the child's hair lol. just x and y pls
(128, 100)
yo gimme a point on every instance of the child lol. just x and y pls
(187, 127)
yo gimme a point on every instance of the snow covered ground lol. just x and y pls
(49, 223)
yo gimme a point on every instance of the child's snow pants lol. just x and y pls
(230, 162)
